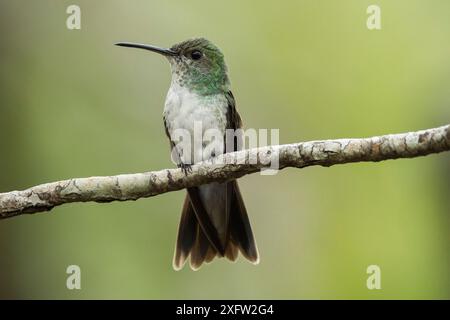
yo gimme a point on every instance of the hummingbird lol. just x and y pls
(214, 220)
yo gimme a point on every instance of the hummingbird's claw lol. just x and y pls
(187, 168)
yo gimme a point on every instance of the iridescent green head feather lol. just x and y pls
(199, 65)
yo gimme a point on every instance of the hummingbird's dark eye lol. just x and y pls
(196, 54)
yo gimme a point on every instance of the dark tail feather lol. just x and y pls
(202, 250)
(240, 231)
(187, 233)
(204, 220)
(192, 239)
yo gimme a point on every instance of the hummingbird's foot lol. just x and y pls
(187, 168)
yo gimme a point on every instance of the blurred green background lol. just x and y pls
(73, 105)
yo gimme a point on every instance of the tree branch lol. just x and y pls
(225, 167)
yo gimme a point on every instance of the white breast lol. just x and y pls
(184, 108)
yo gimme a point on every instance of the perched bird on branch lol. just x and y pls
(214, 220)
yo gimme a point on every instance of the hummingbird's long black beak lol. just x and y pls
(163, 51)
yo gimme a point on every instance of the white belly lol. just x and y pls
(200, 117)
